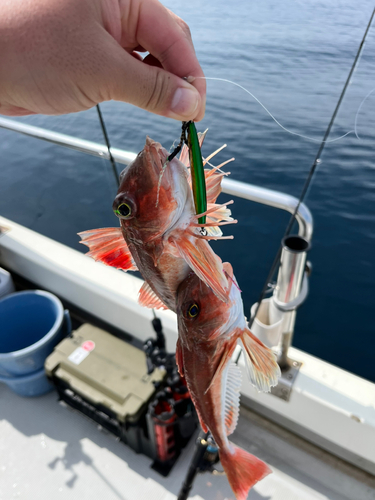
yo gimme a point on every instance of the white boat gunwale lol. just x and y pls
(107, 294)
(329, 406)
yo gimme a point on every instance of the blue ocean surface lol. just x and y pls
(295, 57)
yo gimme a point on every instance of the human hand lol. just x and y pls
(64, 56)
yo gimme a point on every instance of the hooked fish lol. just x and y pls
(208, 334)
(159, 232)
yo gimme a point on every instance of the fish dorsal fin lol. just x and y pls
(231, 397)
(205, 263)
(148, 298)
(221, 214)
(107, 245)
(213, 185)
(260, 361)
(214, 231)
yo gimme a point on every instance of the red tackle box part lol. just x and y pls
(164, 417)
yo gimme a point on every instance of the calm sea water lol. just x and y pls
(295, 57)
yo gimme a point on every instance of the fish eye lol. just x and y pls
(193, 311)
(123, 210)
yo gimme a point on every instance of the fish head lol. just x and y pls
(152, 193)
(202, 316)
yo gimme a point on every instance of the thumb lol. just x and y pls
(153, 89)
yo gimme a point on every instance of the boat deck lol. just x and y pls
(49, 451)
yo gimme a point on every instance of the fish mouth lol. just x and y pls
(156, 155)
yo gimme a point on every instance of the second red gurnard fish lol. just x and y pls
(208, 334)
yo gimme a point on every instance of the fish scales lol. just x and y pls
(208, 333)
(159, 229)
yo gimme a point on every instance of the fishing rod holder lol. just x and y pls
(291, 290)
(275, 320)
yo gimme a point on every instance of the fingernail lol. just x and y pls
(185, 102)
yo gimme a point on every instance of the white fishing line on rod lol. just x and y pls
(190, 79)
(359, 109)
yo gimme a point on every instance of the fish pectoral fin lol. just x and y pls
(205, 263)
(148, 298)
(107, 245)
(231, 397)
(260, 361)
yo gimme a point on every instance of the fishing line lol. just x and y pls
(106, 138)
(312, 171)
(359, 109)
(190, 79)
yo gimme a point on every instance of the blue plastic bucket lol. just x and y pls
(34, 384)
(31, 324)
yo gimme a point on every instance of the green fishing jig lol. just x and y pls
(198, 180)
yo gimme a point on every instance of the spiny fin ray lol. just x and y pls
(107, 245)
(232, 397)
(148, 298)
(260, 361)
(205, 263)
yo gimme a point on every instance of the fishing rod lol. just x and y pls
(106, 138)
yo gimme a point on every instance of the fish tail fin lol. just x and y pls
(260, 361)
(243, 470)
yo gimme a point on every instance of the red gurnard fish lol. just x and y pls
(208, 333)
(159, 233)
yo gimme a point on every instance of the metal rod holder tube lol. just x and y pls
(288, 288)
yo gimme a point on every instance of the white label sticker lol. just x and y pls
(78, 355)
